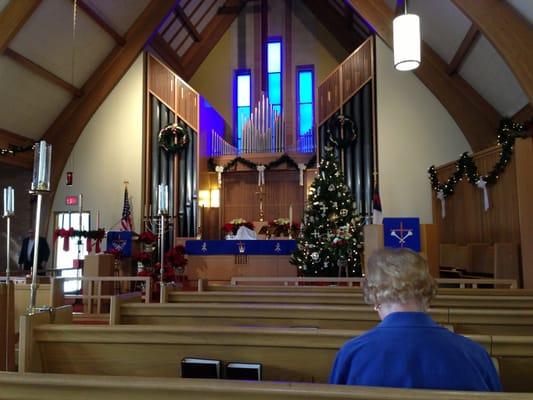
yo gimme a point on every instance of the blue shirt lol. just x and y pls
(409, 350)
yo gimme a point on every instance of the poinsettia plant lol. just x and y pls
(280, 227)
(233, 226)
(147, 237)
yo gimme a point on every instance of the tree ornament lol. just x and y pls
(315, 256)
(344, 212)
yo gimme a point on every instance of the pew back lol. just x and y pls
(286, 354)
(472, 321)
(70, 387)
(356, 298)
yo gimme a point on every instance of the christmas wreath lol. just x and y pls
(174, 138)
(340, 124)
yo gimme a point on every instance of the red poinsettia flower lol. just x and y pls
(147, 237)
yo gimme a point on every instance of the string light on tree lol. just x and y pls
(330, 238)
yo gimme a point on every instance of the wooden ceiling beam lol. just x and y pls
(347, 37)
(100, 22)
(214, 30)
(13, 17)
(168, 55)
(524, 114)
(66, 129)
(509, 32)
(464, 49)
(476, 118)
(24, 160)
(188, 24)
(43, 73)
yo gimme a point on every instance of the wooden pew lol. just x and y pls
(297, 354)
(299, 297)
(463, 320)
(70, 387)
(7, 327)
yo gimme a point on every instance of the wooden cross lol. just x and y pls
(261, 211)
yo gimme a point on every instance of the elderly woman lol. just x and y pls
(408, 349)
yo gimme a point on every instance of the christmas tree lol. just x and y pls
(331, 235)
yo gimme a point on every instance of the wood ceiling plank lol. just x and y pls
(100, 22)
(13, 17)
(327, 15)
(509, 32)
(212, 33)
(66, 129)
(43, 73)
(464, 48)
(476, 118)
(188, 24)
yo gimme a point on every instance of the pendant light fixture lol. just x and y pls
(406, 31)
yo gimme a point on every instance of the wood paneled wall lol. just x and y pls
(240, 198)
(174, 92)
(347, 79)
(466, 221)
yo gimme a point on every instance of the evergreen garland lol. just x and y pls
(331, 234)
(284, 159)
(13, 149)
(508, 131)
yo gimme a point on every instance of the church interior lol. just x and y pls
(193, 190)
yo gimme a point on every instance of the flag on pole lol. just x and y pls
(377, 212)
(125, 221)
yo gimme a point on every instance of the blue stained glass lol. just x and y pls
(243, 90)
(277, 108)
(306, 118)
(274, 88)
(243, 114)
(274, 57)
(305, 85)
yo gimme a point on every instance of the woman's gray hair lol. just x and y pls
(397, 276)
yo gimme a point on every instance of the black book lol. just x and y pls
(200, 368)
(243, 371)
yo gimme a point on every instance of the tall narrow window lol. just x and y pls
(242, 96)
(274, 73)
(305, 105)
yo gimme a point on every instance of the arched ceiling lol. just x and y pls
(41, 91)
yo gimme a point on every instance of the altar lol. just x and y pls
(220, 260)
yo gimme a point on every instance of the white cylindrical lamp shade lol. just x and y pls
(41, 166)
(162, 200)
(9, 201)
(406, 30)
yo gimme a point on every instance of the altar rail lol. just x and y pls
(92, 292)
(296, 281)
(92, 387)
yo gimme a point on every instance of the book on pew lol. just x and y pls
(200, 368)
(243, 371)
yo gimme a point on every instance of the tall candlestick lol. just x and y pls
(290, 216)
(97, 219)
(80, 204)
(162, 199)
(41, 167)
(9, 201)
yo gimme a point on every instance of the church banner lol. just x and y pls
(402, 233)
(240, 247)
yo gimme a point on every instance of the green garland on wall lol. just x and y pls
(12, 150)
(508, 131)
(284, 159)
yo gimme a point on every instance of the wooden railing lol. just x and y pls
(93, 290)
(297, 281)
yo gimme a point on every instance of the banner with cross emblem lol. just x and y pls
(402, 233)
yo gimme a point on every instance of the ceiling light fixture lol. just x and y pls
(406, 31)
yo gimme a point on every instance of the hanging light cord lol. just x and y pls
(74, 17)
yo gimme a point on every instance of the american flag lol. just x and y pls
(125, 221)
(377, 212)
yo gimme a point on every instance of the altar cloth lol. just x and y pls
(240, 247)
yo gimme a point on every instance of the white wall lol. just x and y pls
(414, 132)
(109, 152)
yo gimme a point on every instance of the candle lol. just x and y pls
(163, 199)
(80, 204)
(97, 219)
(9, 201)
(42, 163)
(290, 215)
